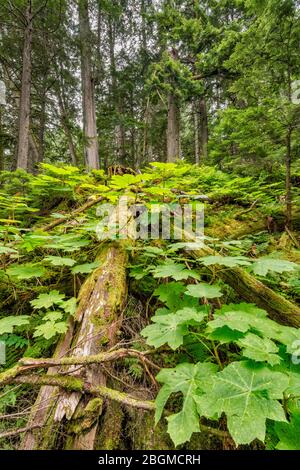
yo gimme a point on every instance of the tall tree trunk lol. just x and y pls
(66, 127)
(116, 98)
(120, 134)
(173, 129)
(87, 83)
(203, 128)
(42, 125)
(24, 109)
(288, 181)
(196, 132)
(1, 142)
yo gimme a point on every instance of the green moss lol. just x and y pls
(111, 429)
(85, 418)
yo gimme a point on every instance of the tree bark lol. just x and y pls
(66, 127)
(288, 181)
(173, 129)
(24, 109)
(196, 133)
(87, 83)
(203, 128)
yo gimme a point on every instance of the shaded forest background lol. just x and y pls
(95, 83)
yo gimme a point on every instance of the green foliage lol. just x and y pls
(288, 433)
(190, 380)
(248, 395)
(26, 271)
(204, 290)
(171, 328)
(85, 268)
(7, 324)
(47, 300)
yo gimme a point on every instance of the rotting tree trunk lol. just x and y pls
(24, 107)
(100, 316)
(88, 98)
(41, 414)
(98, 319)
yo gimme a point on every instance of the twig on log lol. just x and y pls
(81, 209)
(15, 432)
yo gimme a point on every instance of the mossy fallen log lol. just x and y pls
(254, 291)
(97, 320)
(41, 415)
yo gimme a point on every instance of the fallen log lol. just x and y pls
(247, 286)
(254, 291)
(41, 413)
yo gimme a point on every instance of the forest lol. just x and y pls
(150, 225)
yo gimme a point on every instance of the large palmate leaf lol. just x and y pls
(190, 380)
(47, 300)
(262, 266)
(204, 290)
(85, 268)
(171, 328)
(174, 296)
(69, 306)
(7, 324)
(240, 317)
(259, 349)
(50, 328)
(289, 433)
(175, 270)
(249, 395)
(59, 261)
(228, 261)
(25, 271)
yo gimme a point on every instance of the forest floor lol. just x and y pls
(103, 334)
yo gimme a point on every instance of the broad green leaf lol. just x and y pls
(85, 268)
(259, 349)
(25, 271)
(289, 434)
(53, 316)
(31, 241)
(69, 306)
(50, 329)
(238, 317)
(67, 243)
(264, 265)
(171, 328)
(225, 335)
(59, 261)
(204, 290)
(228, 261)
(173, 295)
(47, 300)
(176, 271)
(190, 380)
(7, 324)
(248, 393)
